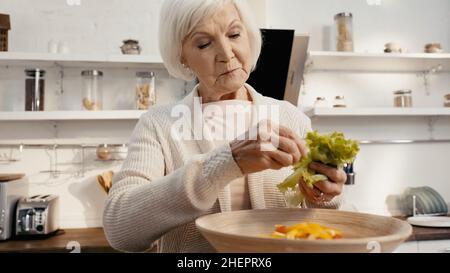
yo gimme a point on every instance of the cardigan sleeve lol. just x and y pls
(144, 203)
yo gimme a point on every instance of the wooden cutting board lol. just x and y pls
(5, 177)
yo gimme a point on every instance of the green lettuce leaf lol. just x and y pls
(332, 149)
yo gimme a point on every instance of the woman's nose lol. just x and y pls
(225, 51)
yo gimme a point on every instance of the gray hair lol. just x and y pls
(178, 19)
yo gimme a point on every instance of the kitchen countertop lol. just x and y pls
(93, 240)
(89, 239)
(427, 233)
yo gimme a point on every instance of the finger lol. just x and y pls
(269, 131)
(281, 157)
(319, 196)
(309, 193)
(328, 187)
(335, 175)
(264, 130)
(270, 163)
(244, 147)
(287, 145)
(305, 191)
(287, 132)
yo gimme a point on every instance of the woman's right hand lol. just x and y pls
(269, 146)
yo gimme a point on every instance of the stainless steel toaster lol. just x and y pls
(37, 215)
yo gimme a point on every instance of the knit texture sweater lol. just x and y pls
(167, 182)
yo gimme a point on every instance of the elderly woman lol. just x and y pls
(168, 181)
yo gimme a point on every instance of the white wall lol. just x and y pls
(411, 23)
(99, 27)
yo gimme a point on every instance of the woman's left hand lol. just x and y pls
(324, 191)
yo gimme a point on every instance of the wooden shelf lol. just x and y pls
(79, 60)
(380, 62)
(377, 112)
(71, 115)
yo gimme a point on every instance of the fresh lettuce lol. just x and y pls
(332, 149)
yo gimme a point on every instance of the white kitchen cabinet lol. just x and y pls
(408, 247)
(436, 246)
(441, 246)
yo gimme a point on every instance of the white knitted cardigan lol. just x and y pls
(166, 183)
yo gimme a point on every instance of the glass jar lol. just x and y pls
(104, 152)
(321, 102)
(145, 90)
(92, 90)
(344, 31)
(403, 98)
(120, 152)
(131, 47)
(34, 90)
(447, 100)
(392, 48)
(339, 102)
(433, 48)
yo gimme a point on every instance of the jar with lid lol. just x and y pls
(92, 90)
(344, 31)
(120, 152)
(145, 90)
(447, 100)
(403, 98)
(34, 89)
(433, 48)
(131, 47)
(339, 102)
(321, 102)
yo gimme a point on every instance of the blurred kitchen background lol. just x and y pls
(57, 149)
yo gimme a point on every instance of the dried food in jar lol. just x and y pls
(145, 90)
(344, 29)
(91, 105)
(433, 48)
(403, 98)
(104, 152)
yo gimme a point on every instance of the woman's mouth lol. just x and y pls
(229, 72)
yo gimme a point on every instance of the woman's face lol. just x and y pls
(218, 52)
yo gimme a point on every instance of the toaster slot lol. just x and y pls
(28, 220)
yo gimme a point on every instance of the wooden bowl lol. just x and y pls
(243, 231)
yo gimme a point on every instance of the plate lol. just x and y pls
(243, 231)
(430, 221)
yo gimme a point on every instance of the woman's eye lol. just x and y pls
(235, 36)
(203, 46)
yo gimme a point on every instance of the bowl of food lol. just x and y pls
(302, 230)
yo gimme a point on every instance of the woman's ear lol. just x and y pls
(183, 62)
